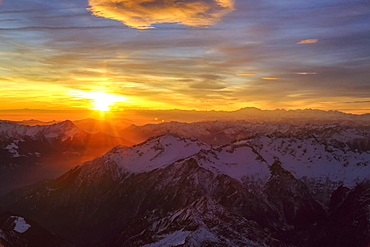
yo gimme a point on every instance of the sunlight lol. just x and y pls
(102, 101)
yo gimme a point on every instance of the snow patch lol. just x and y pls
(310, 159)
(174, 239)
(155, 153)
(237, 161)
(20, 224)
(13, 149)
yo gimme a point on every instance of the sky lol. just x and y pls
(185, 54)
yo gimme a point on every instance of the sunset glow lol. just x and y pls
(192, 55)
(192, 13)
(184, 122)
(101, 101)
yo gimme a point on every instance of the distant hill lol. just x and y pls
(257, 115)
(93, 126)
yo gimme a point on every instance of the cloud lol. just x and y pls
(58, 28)
(142, 14)
(358, 102)
(306, 73)
(208, 85)
(307, 41)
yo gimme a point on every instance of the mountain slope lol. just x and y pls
(202, 223)
(348, 224)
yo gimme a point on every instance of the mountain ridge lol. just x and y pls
(141, 117)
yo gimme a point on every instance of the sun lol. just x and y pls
(101, 101)
(104, 101)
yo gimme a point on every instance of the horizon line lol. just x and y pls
(191, 110)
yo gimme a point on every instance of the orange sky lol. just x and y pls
(202, 55)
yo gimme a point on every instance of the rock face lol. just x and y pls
(292, 198)
(348, 222)
(175, 191)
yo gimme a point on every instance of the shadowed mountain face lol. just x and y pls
(176, 191)
(16, 231)
(31, 153)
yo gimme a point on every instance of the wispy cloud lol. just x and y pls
(308, 41)
(59, 28)
(306, 73)
(358, 102)
(142, 14)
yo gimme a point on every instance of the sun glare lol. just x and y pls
(104, 101)
(101, 101)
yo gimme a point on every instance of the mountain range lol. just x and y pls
(295, 186)
(142, 117)
(251, 178)
(224, 132)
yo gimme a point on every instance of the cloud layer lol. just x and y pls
(142, 14)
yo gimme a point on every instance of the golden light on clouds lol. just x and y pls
(306, 73)
(269, 78)
(101, 101)
(307, 41)
(244, 74)
(142, 14)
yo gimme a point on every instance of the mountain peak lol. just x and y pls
(168, 140)
(156, 152)
(277, 170)
(66, 124)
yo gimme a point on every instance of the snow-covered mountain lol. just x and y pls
(24, 146)
(36, 152)
(252, 114)
(59, 131)
(267, 190)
